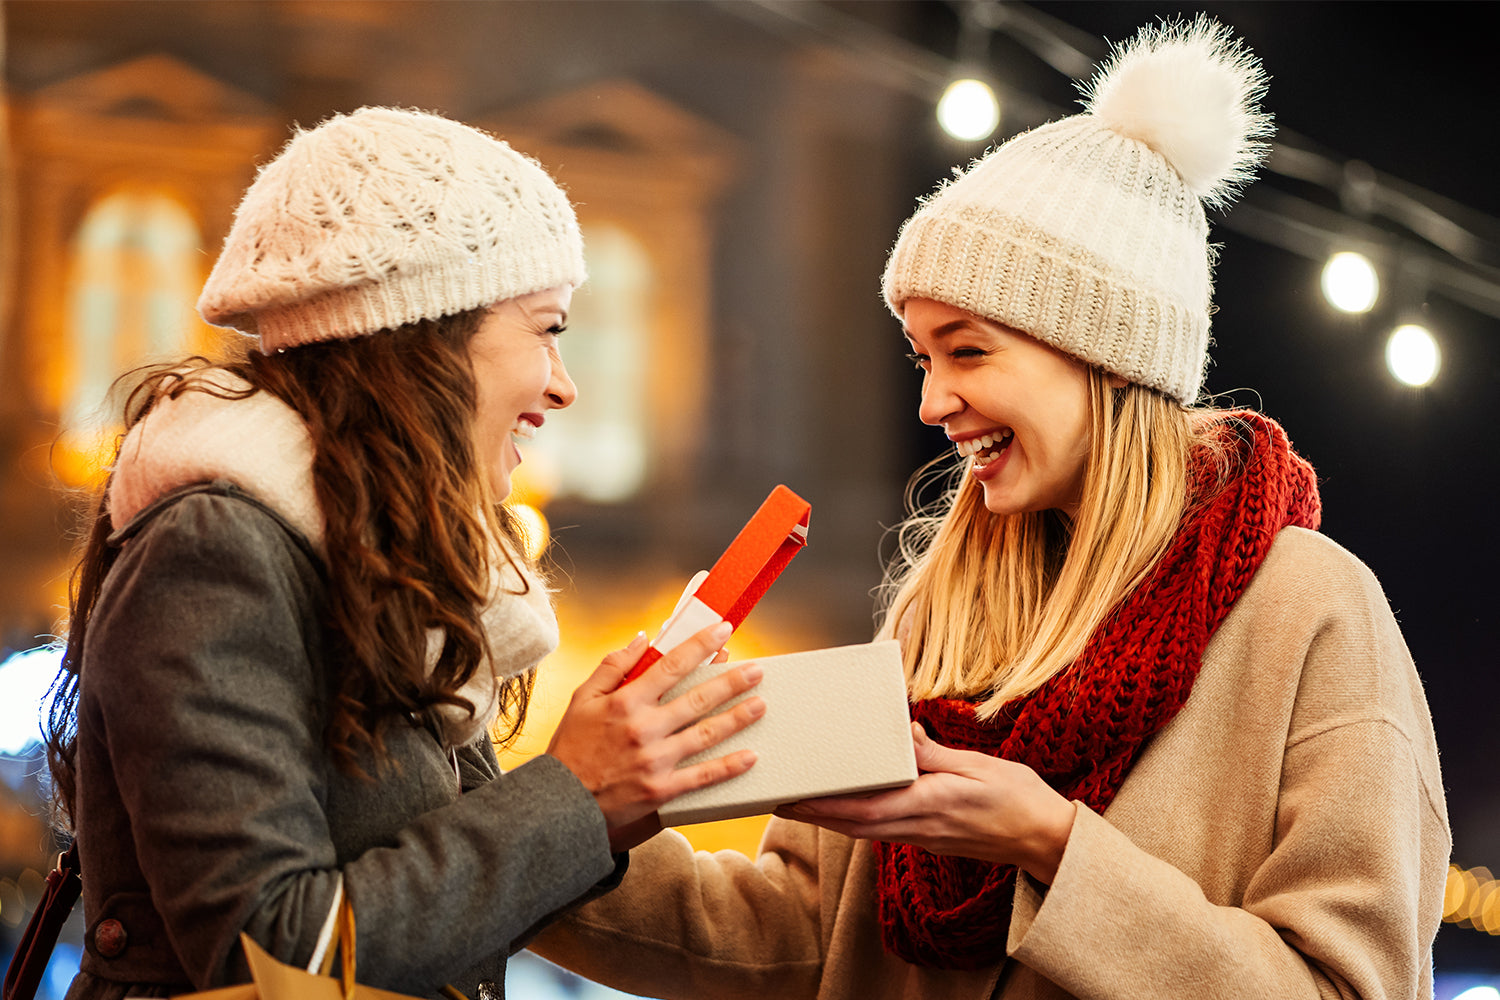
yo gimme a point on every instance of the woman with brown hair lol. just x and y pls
(300, 607)
(1171, 742)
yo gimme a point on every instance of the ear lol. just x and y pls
(1116, 381)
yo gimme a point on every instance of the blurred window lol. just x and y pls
(134, 277)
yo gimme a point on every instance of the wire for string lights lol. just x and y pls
(1458, 247)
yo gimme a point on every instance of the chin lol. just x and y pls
(1000, 505)
(1005, 505)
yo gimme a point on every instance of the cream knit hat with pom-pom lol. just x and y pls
(1089, 233)
(385, 217)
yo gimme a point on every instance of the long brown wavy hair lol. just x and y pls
(410, 527)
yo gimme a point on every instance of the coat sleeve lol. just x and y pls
(685, 925)
(202, 691)
(1347, 900)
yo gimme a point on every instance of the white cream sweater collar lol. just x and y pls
(262, 446)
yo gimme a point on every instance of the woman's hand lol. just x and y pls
(965, 804)
(625, 746)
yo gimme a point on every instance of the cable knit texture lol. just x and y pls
(262, 446)
(1082, 730)
(1089, 233)
(385, 217)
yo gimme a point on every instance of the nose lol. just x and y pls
(939, 402)
(561, 392)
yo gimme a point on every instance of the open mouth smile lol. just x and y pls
(524, 430)
(985, 448)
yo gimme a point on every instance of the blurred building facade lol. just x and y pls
(738, 187)
(736, 235)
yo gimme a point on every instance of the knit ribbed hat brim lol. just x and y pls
(998, 267)
(1089, 233)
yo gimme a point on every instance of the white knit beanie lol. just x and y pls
(1089, 233)
(385, 217)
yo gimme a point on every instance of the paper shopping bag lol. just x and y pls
(271, 979)
(274, 980)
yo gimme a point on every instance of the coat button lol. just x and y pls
(109, 938)
(489, 990)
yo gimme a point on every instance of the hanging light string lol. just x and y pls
(1388, 221)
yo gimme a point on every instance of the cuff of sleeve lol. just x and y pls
(1031, 895)
(565, 777)
(572, 794)
(1051, 923)
(1105, 888)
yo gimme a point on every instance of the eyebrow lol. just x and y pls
(945, 329)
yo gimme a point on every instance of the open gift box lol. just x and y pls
(836, 720)
(836, 723)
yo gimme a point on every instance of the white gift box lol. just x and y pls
(836, 723)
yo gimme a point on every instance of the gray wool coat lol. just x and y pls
(207, 804)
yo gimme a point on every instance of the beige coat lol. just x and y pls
(1284, 836)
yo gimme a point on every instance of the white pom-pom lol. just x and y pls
(1190, 92)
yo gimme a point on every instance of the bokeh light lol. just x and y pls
(1479, 993)
(968, 110)
(1350, 283)
(1412, 355)
(25, 678)
(1472, 899)
(535, 534)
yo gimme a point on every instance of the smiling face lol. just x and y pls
(1019, 407)
(519, 377)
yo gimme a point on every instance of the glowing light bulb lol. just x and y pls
(1412, 355)
(1350, 283)
(968, 110)
(1479, 993)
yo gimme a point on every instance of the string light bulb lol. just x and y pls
(1350, 283)
(969, 110)
(1412, 355)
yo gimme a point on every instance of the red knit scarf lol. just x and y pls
(1082, 730)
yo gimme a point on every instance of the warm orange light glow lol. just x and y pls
(80, 460)
(535, 534)
(1471, 898)
(530, 486)
(1454, 893)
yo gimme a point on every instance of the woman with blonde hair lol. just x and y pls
(1171, 742)
(301, 610)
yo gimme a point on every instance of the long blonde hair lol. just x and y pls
(991, 607)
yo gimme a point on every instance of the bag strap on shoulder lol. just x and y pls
(35, 947)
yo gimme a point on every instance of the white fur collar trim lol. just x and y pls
(258, 443)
